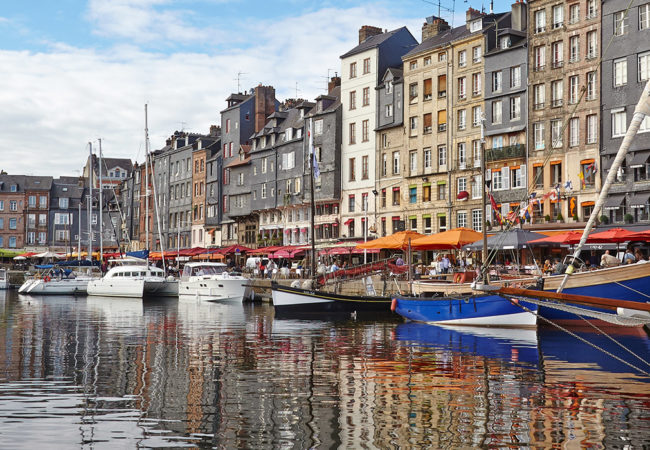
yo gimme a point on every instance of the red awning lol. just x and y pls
(348, 222)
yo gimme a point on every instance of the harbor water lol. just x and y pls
(93, 372)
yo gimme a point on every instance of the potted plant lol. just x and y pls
(547, 218)
(604, 219)
(575, 217)
(628, 218)
(560, 218)
(488, 225)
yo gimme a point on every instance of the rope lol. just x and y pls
(580, 338)
(632, 289)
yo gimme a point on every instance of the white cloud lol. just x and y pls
(53, 103)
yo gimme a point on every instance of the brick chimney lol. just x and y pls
(433, 26)
(472, 14)
(264, 105)
(367, 31)
(215, 130)
(333, 83)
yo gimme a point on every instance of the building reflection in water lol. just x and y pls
(113, 370)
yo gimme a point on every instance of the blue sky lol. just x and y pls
(74, 71)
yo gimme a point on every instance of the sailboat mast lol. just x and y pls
(101, 219)
(146, 178)
(312, 198)
(483, 207)
(90, 203)
(640, 112)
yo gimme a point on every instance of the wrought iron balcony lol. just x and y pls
(508, 152)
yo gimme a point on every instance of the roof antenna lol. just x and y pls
(239, 77)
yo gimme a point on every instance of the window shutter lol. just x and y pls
(524, 179)
(505, 209)
(505, 177)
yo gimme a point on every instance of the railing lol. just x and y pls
(442, 127)
(442, 94)
(539, 105)
(510, 151)
(558, 64)
(538, 67)
(557, 102)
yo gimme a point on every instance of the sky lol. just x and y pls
(74, 72)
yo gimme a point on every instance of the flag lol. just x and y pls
(568, 185)
(314, 160)
(582, 179)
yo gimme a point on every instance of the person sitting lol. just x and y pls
(548, 268)
(399, 261)
(628, 257)
(608, 260)
(334, 267)
(639, 256)
(559, 267)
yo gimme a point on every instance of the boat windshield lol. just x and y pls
(198, 271)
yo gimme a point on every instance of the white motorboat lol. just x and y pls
(133, 277)
(56, 280)
(211, 281)
(4, 279)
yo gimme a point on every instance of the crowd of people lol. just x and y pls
(630, 256)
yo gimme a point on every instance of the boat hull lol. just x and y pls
(476, 310)
(297, 302)
(124, 288)
(231, 289)
(160, 288)
(74, 286)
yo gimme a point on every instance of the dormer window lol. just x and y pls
(14, 188)
(263, 144)
(389, 87)
(475, 25)
(505, 42)
(288, 134)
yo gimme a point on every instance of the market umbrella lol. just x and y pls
(515, 238)
(446, 240)
(641, 236)
(567, 237)
(611, 236)
(8, 253)
(399, 240)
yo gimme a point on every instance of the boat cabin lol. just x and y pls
(135, 272)
(201, 269)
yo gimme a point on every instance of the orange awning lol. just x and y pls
(455, 238)
(399, 240)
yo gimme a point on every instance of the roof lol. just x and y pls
(35, 183)
(242, 97)
(439, 40)
(372, 42)
(239, 162)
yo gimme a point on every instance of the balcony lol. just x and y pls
(511, 151)
(538, 105)
(540, 29)
(557, 64)
(557, 103)
(539, 68)
(557, 25)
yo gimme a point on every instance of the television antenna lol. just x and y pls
(239, 77)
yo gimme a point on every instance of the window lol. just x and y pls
(42, 220)
(389, 87)
(592, 128)
(427, 61)
(395, 163)
(427, 124)
(591, 9)
(477, 52)
(13, 205)
(389, 110)
(574, 48)
(540, 21)
(263, 190)
(364, 167)
(364, 131)
(476, 116)
(366, 96)
(442, 57)
(353, 133)
(442, 191)
(461, 184)
(426, 192)
(353, 70)
(591, 85)
(515, 108)
(496, 81)
(63, 203)
(476, 84)
(396, 196)
(351, 202)
(13, 223)
(496, 111)
(413, 64)
(619, 122)
(413, 162)
(462, 119)
(574, 89)
(538, 131)
(318, 127)
(644, 66)
(352, 167)
(574, 13)
(556, 173)
(413, 194)
(462, 218)
(366, 66)
(538, 176)
(556, 133)
(413, 121)
(477, 221)
(442, 86)
(462, 155)
(505, 42)
(497, 180)
(515, 76)
(644, 16)
(462, 58)
(475, 25)
(574, 132)
(620, 72)
(2, 205)
(462, 88)
(558, 16)
(557, 54)
(539, 96)
(476, 152)
(413, 92)
(12, 242)
(540, 58)
(620, 23)
(428, 89)
(353, 100)
(442, 156)
(557, 92)
(442, 120)
(31, 201)
(588, 170)
(427, 158)
(384, 164)
(592, 45)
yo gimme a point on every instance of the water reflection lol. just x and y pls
(87, 372)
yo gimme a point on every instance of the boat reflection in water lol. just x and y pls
(86, 372)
